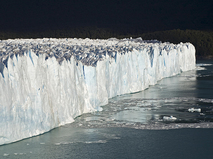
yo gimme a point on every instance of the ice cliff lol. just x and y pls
(45, 83)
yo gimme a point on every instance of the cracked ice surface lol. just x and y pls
(46, 83)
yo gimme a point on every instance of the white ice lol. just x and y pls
(169, 118)
(46, 83)
(194, 110)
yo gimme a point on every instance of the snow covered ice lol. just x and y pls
(46, 83)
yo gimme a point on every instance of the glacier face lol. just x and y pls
(46, 83)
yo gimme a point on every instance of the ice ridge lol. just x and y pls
(46, 83)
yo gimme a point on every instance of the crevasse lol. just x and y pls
(46, 83)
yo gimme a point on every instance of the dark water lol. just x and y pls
(137, 125)
(115, 143)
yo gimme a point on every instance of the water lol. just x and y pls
(172, 119)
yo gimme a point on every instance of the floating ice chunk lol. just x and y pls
(169, 118)
(200, 68)
(96, 142)
(6, 154)
(206, 100)
(194, 110)
(203, 64)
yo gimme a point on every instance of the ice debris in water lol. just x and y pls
(202, 64)
(194, 110)
(169, 118)
(6, 154)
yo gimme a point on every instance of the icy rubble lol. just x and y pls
(46, 83)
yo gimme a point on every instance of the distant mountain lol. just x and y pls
(135, 16)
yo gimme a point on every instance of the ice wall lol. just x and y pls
(46, 83)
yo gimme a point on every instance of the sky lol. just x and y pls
(129, 15)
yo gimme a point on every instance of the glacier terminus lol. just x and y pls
(46, 83)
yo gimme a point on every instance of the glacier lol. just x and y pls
(46, 83)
